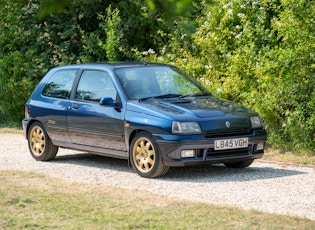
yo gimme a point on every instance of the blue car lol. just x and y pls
(153, 115)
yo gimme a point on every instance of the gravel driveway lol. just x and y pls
(268, 187)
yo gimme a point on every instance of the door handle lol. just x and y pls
(75, 106)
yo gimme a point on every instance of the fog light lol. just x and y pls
(260, 146)
(187, 153)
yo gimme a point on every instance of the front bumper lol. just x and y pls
(204, 150)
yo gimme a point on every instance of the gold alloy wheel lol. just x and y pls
(143, 155)
(37, 141)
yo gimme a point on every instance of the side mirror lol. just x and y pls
(109, 102)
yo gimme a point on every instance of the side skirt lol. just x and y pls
(94, 150)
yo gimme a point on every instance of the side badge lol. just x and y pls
(51, 122)
(227, 124)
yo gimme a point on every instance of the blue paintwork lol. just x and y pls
(102, 128)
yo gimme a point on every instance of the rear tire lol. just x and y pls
(145, 156)
(239, 164)
(39, 143)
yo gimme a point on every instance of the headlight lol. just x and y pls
(256, 122)
(185, 127)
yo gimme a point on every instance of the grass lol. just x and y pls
(4, 128)
(34, 201)
(289, 157)
(11, 130)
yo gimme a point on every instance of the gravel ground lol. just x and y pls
(268, 187)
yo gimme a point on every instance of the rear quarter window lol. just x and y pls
(60, 84)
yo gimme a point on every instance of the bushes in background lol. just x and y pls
(258, 53)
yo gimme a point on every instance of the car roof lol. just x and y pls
(112, 65)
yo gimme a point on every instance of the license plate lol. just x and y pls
(236, 143)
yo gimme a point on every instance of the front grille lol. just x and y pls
(229, 132)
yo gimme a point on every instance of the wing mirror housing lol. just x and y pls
(109, 102)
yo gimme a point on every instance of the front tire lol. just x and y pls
(239, 164)
(145, 156)
(40, 144)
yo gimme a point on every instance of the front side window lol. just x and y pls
(95, 85)
(60, 85)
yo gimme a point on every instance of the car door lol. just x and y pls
(51, 108)
(91, 124)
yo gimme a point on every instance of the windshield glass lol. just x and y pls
(147, 81)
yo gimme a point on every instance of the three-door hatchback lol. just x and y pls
(154, 115)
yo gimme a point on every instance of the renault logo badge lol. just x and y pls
(227, 124)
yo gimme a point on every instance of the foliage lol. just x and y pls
(256, 52)
(112, 28)
(16, 67)
(265, 57)
(28, 49)
(84, 32)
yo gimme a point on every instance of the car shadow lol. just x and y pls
(220, 173)
(204, 173)
(93, 160)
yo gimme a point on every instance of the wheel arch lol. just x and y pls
(134, 133)
(131, 137)
(29, 124)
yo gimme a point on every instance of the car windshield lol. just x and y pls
(143, 82)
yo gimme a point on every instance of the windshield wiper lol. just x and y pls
(169, 95)
(194, 95)
(179, 96)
